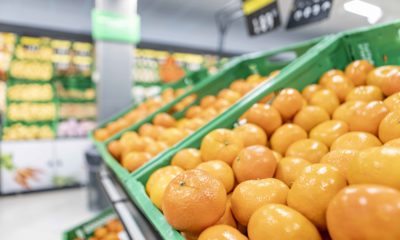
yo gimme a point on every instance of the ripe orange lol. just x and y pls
(326, 99)
(345, 111)
(221, 144)
(368, 117)
(171, 136)
(240, 86)
(365, 94)
(101, 134)
(149, 130)
(393, 102)
(309, 149)
(310, 90)
(279, 222)
(208, 114)
(365, 212)
(194, 193)
(251, 134)
(389, 128)
(340, 84)
(187, 158)
(193, 112)
(358, 70)
(221, 171)
(100, 232)
(112, 128)
(310, 116)
(329, 74)
(391, 83)
(265, 116)
(340, 159)
(115, 149)
(168, 95)
(254, 79)
(158, 182)
(134, 160)
(356, 141)
(229, 95)
(376, 76)
(379, 165)
(115, 226)
(207, 101)
(328, 131)
(288, 102)
(222, 232)
(393, 143)
(254, 162)
(164, 120)
(248, 196)
(156, 148)
(312, 191)
(289, 168)
(285, 135)
(221, 104)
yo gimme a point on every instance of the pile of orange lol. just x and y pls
(109, 231)
(323, 163)
(135, 148)
(143, 110)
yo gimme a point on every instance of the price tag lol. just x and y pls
(308, 11)
(262, 16)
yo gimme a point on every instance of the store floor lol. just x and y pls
(42, 216)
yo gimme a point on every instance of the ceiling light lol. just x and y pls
(372, 12)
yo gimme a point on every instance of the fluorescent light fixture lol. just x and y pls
(372, 12)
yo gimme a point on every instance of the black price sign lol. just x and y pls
(308, 11)
(262, 16)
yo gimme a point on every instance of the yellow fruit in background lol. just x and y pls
(389, 128)
(340, 84)
(221, 232)
(193, 201)
(289, 168)
(340, 159)
(251, 134)
(312, 191)
(265, 116)
(248, 196)
(393, 102)
(279, 222)
(368, 117)
(379, 165)
(254, 162)
(365, 94)
(288, 102)
(356, 141)
(158, 182)
(221, 171)
(345, 111)
(326, 99)
(285, 135)
(393, 143)
(365, 212)
(310, 116)
(187, 158)
(327, 132)
(309, 149)
(310, 90)
(358, 71)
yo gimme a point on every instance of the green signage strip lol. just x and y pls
(109, 26)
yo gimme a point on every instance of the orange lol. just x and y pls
(100, 232)
(340, 84)
(389, 128)
(221, 171)
(356, 141)
(379, 165)
(279, 222)
(229, 95)
(112, 128)
(310, 90)
(208, 114)
(168, 95)
(254, 78)
(345, 111)
(340, 159)
(179, 92)
(171, 136)
(248, 196)
(193, 112)
(368, 117)
(326, 99)
(115, 149)
(207, 101)
(194, 193)
(254, 162)
(156, 148)
(328, 131)
(265, 116)
(285, 135)
(309, 149)
(288, 102)
(158, 182)
(312, 191)
(376, 76)
(289, 168)
(310, 116)
(115, 225)
(187, 158)
(221, 232)
(393, 143)
(251, 134)
(134, 160)
(221, 144)
(393, 102)
(358, 70)
(365, 212)
(101, 134)
(365, 94)
(391, 83)
(221, 104)
(164, 120)
(330, 74)
(240, 86)
(149, 130)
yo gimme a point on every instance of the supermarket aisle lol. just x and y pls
(42, 215)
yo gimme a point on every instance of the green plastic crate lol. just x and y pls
(262, 63)
(86, 229)
(334, 52)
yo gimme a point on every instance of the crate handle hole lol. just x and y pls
(283, 57)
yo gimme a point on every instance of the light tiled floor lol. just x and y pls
(42, 216)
